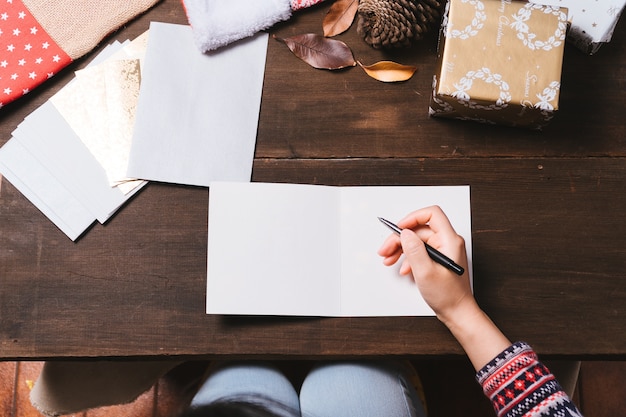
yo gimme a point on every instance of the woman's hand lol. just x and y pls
(449, 295)
(443, 290)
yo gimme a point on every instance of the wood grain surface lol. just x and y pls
(547, 218)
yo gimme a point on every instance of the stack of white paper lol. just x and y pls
(191, 119)
(48, 160)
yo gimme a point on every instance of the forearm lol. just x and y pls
(478, 335)
(511, 376)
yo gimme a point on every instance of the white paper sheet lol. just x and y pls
(56, 146)
(306, 250)
(43, 190)
(99, 105)
(197, 113)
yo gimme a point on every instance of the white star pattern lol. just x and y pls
(24, 46)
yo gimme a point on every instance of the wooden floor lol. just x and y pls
(449, 389)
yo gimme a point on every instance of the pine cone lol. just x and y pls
(394, 23)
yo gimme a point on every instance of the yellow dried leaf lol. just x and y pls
(389, 71)
(339, 17)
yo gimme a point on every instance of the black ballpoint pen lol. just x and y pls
(434, 254)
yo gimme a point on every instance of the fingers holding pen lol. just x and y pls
(433, 217)
(395, 246)
(432, 226)
(416, 257)
(391, 250)
(392, 245)
(429, 226)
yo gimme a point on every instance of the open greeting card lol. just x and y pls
(310, 250)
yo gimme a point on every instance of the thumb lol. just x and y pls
(414, 250)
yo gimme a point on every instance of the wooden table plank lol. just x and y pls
(545, 271)
(309, 113)
(547, 212)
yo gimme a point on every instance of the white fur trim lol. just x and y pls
(216, 23)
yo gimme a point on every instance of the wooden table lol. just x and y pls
(548, 213)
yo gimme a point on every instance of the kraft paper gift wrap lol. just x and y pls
(499, 62)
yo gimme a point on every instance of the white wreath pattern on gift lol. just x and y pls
(547, 95)
(483, 74)
(470, 30)
(528, 38)
(444, 107)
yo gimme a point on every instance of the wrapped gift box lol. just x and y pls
(592, 22)
(499, 62)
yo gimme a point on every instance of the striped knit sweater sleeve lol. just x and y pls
(518, 385)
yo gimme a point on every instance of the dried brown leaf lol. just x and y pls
(320, 52)
(389, 71)
(340, 17)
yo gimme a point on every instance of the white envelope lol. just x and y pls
(197, 114)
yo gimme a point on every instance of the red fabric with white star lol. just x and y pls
(28, 56)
